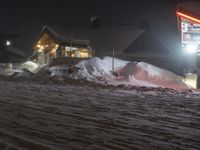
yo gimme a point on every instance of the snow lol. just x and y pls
(118, 63)
(145, 72)
(6, 69)
(98, 70)
(128, 73)
(29, 65)
(58, 70)
(100, 111)
(36, 115)
(91, 68)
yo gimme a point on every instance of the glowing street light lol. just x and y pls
(8, 43)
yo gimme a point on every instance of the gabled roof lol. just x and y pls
(99, 39)
(147, 43)
(60, 38)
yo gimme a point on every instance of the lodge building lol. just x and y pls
(50, 45)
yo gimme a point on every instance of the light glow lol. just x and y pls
(188, 17)
(191, 48)
(8, 43)
(53, 52)
(190, 79)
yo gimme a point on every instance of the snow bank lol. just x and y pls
(128, 73)
(118, 63)
(29, 65)
(100, 70)
(58, 70)
(146, 72)
(91, 69)
(6, 69)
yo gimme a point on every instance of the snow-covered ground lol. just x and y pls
(38, 115)
(55, 108)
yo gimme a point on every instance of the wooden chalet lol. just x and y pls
(50, 44)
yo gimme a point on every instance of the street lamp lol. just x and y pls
(8, 43)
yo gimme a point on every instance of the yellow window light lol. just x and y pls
(39, 46)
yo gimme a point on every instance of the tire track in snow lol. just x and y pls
(98, 119)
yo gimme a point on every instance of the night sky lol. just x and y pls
(28, 17)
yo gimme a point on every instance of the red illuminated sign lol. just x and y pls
(188, 17)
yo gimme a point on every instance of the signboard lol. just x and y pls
(190, 32)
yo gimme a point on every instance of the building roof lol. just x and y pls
(147, 43)
(61, 38)
(191, 7)
(99, 39)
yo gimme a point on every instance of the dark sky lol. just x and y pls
(29, 16)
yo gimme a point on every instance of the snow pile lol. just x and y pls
(29, 65)
(118, 63)
(30, 68)
(58, 70)
(100, 70)
(6, 69)
(24, 73)
(148, 73)
(128, 73)
(91, 69)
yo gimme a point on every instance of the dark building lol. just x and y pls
(9, 53)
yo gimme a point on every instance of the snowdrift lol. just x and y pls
(148, 73)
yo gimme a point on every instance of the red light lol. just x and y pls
(188, 17)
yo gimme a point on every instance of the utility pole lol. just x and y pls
(71, 42)
(113, 49)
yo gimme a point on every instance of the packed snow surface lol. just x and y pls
(47, 116)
